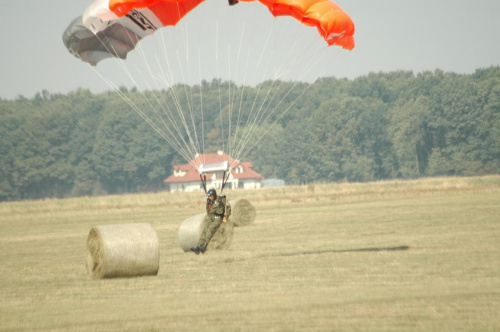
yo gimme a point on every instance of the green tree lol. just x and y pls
(409, 132)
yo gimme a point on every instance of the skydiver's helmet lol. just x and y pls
(212, 192)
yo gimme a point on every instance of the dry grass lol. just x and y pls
(389, 256)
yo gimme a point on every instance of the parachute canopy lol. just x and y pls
(333, 24)
(119, 24)
(212, 83)
(114, 41)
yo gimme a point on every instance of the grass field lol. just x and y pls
(388, 256)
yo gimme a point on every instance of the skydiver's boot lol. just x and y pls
(203, 247)
(196, 250)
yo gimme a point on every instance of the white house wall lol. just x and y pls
(185, 186)
(251, 184)
(195, 186)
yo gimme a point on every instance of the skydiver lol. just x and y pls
(233, 2)
(216, 209)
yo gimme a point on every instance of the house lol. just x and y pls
(186, 177)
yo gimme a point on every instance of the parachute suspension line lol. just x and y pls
(231, 147)
(139, 111)
(162, 105)
(168, 113)
(232, 87)
(266, 105)
(279, 117)
(149, 120)
(264, 108)
(290, 51)
(260, 119)
(201, 105)
(232, 92)
(188, 148)
(252, 112)
(182, 149)
(189, 98)
(141, 114)
(230, 105)
(305, 71)
(174, 97)
(255, 121)
(265, 46)
(218, 80)
(191, 149)
(192, 103)
(241, 105)
(252, 134)
(189, 107)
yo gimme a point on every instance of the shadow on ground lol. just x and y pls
(326, 251)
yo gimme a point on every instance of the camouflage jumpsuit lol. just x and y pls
(215, 213)
(228, 208)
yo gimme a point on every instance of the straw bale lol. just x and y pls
(243, 213)
(126, 250)
(190, 232)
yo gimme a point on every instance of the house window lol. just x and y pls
(179, 173)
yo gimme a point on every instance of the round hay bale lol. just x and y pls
(126, 250)
(190, 232)
(243, 213)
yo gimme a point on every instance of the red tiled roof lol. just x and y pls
(185, 167)
(248, 173)
(192, 174)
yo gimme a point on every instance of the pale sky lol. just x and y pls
(417, 35)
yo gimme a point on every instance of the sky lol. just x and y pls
(412, 35)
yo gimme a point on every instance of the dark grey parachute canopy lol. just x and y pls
(114, 41)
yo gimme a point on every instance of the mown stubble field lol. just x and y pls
(388, 256)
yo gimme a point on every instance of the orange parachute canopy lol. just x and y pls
(112, 28)
(169, 12)
(333, 24)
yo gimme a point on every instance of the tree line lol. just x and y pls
(379, 126)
